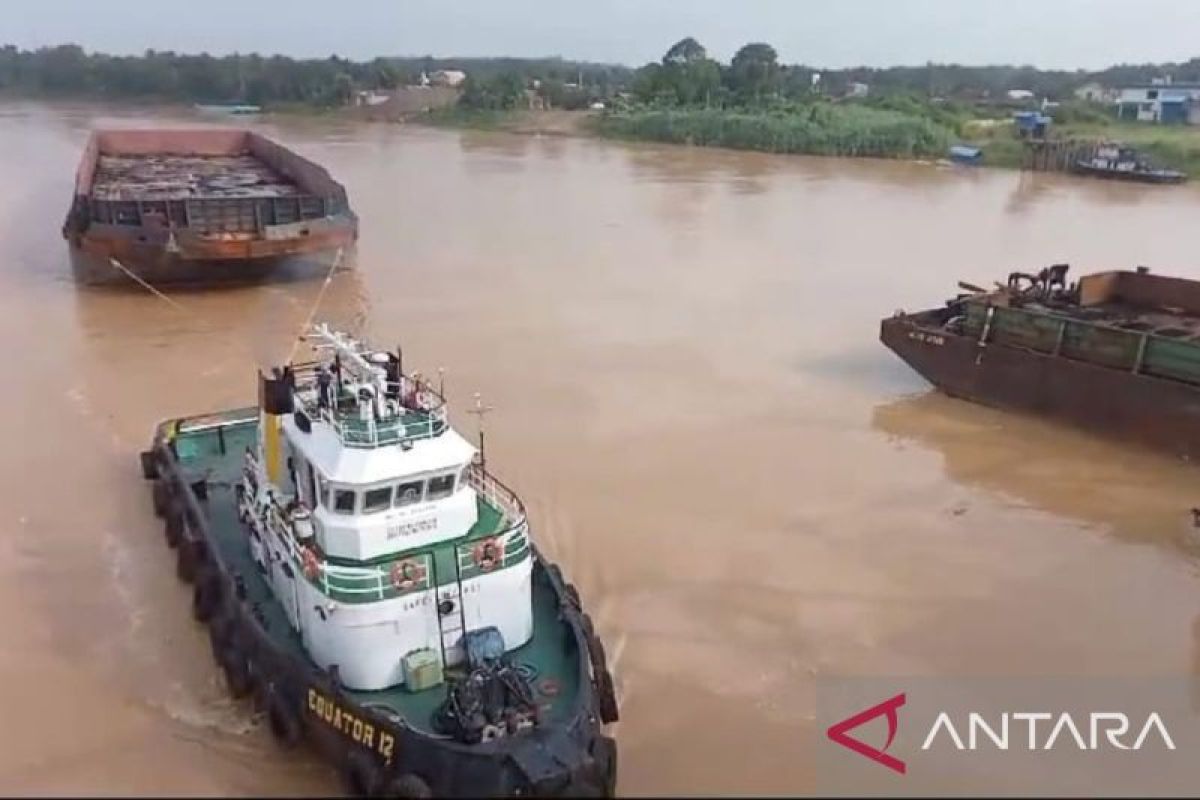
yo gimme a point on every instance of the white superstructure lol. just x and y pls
(376, 527)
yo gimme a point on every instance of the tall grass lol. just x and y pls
(818, 129)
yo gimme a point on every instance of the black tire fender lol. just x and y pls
(173, 526)
(160, 493)
(236, 666)
(206, 596)
(285, 726)
(187, 562)
(606, 697)
(149, 464)
(407, 785)
(573, 596)
(589, 629)
(361, 775)
(604, 756)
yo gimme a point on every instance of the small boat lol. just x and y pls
(377, 590)
(1115, 352)
(1124, 163)
(965, 154)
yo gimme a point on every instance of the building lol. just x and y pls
(448, 77)
(1167, 103)
(1093, 92)
(372, 97)
(1019, 94)
(858, 90)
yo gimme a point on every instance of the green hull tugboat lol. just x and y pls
(376, 590)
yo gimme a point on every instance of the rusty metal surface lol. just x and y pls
(1158, 413)
(307, 176)
(176, 177)
(168, 201)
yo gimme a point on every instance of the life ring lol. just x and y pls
(312, 567)
(406, 574)
(487, 555)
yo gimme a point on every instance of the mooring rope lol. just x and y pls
(139, 279)
(316, 304)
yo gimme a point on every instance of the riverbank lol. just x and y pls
(848, 132)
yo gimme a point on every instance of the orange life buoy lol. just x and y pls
(487, 555)
(312, 567)
(406, 574)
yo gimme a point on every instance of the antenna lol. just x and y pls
(442, 382)
(479, 410)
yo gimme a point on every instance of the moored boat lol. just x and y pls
(377, 590)
(1124, 163)
(1115, 352)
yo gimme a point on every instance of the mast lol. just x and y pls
(479, 411)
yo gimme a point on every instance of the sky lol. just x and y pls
(1064, 34)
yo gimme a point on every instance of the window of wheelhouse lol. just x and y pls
(343, 501)
(441, 486)
(409, 493)
(376, 500)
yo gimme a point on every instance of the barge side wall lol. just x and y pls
(1161, 414)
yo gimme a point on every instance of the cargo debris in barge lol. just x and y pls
(203, 206)
(1116, 352)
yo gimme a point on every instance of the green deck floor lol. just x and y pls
(550, 654)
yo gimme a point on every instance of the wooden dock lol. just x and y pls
(1056, 155)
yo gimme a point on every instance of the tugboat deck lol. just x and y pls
(212, 447)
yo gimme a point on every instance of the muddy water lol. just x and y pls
(681, 349)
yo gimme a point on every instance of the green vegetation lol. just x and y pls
(276, 81)
(817, 128)
(754, 103)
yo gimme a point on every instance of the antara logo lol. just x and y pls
(1114, 725)
(837, 733)
(1098, 731)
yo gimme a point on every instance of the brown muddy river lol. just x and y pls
(681, 346)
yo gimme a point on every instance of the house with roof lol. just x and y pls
(1162, 102)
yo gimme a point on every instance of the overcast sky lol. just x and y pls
(832, 33)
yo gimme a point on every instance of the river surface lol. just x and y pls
(681, 348)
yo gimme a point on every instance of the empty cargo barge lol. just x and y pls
(1116, 352)
(203, 206)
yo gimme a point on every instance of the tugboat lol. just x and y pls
(1114, 352)
(1124, 163)
(376, 589)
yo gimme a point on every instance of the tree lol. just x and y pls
(754, 70)
(685, 51)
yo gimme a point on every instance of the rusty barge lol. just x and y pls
(203, 206)
(1115, 352)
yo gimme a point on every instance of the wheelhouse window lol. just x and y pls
(408, 494)
(441, 486)
(343, 501)
(322, 492)
(375, 500)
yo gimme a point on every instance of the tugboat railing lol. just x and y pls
(497, 495)
(422, 413)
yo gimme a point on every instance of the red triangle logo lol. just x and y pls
(837, 733)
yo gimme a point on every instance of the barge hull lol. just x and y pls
(155, 265)
(1158, 413)
(376, 754)
(200, 206)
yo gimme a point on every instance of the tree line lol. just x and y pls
(686, 76)
(70, 71)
